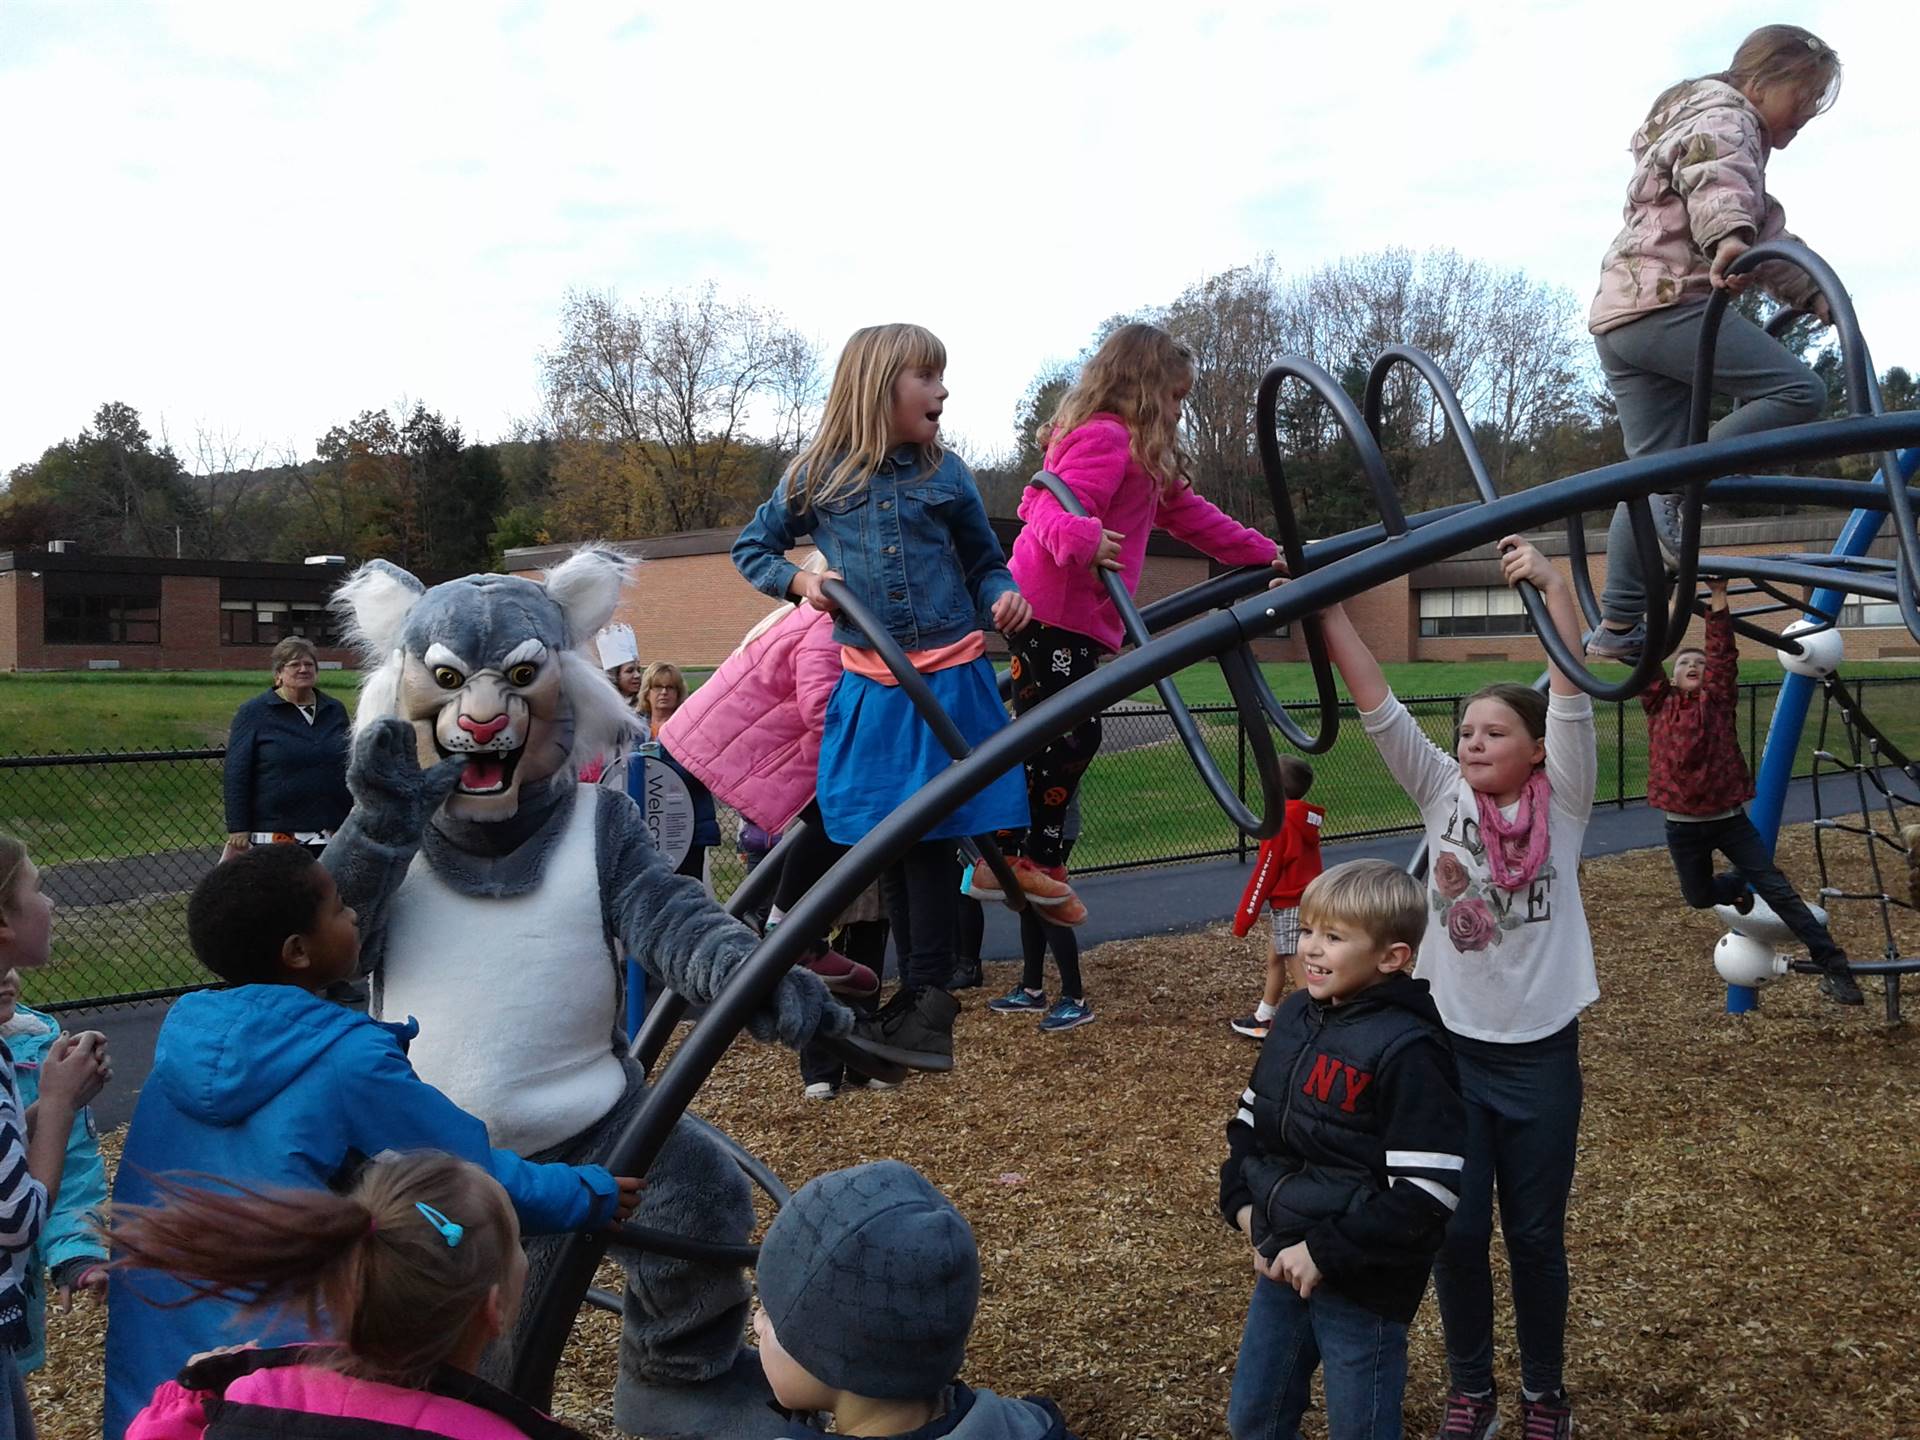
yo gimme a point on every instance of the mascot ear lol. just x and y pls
(374, 601)
(586, 587)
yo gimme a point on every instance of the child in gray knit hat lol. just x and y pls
(869, 1280)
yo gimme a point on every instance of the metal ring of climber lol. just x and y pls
(1236, 664)
(1362, 431)
(1863, 397)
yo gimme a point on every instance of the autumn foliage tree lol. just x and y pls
(672, 413)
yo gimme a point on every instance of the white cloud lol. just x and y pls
(270, 217)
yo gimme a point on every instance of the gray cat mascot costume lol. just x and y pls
(497, 896)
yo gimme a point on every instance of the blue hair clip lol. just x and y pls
(449, 1231)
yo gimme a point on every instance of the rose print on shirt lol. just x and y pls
(1477, 914)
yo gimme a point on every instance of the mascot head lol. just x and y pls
(492, 667)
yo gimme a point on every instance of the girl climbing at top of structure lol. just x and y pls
(1697, 202)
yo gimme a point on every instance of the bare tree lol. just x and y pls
(666, 411)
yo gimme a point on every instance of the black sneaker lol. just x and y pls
(967, 975)
(914, 1029)
(1838, 985)
(1469, 1417)
(1548, 1418)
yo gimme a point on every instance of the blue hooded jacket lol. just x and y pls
(270, 1086)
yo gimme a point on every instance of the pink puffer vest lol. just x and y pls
(751, 734)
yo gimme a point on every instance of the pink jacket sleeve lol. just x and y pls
(1719, 170)
(1093, 462)
(174, 1413)
(1188, 515)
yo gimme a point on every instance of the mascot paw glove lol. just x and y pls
(801, 1010)
(392, 795)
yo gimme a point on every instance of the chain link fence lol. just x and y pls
(122, 838)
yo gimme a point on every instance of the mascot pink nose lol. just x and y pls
(483, 730)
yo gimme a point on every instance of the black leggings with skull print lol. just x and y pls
(1047, 659)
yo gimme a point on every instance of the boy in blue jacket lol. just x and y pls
(1343, 1164)
(69, 1255)
(267, 1084)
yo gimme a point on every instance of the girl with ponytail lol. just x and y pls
(412, 1273)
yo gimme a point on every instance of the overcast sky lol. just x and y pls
(260, 219)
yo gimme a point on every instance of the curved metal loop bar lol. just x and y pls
(1536, 606)
(669, 1007)
(1429, 370)
(680, 1247)
(1863, 396)
(1272, 792)
(550, 1312)
(914, 686)
(751, 1165)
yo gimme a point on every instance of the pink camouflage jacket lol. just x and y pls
(1700, 175)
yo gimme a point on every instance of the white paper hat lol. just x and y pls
(617, 646)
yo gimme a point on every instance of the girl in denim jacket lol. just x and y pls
(1699, 201)
(902, 525)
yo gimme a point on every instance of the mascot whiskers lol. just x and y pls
(497, 897)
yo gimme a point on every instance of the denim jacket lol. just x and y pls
(916, 549)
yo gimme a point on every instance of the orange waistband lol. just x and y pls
(868, 664)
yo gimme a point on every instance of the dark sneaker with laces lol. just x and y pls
(1019, 1001)
(1666, 529)
(1469, 1417)
(914, 1029)
(967, 975)
(1251, 1026)
(1066, 1014)
(1838, 985)
(1548, 1418)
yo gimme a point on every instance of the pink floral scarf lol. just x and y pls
(1516, 848)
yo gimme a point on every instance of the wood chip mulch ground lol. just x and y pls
(1745, 1228)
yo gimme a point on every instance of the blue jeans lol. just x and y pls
(1523, 1127)
(1362, 1357)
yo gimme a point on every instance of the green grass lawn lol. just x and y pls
(1141, 804)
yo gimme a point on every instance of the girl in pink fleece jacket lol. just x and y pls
(1698, 201)
(1115, 442)
(416, 1270)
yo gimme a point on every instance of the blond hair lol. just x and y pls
(1131, 376)
(13, 860)
(1373, 895)
(1771, 57)
(666, 671)
(856, 432)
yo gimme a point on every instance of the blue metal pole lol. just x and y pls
(1790, 708)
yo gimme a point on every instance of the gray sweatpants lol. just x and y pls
(1649, 368)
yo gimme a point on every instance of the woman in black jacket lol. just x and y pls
(286, 773)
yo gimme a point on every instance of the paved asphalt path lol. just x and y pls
(1123, 905)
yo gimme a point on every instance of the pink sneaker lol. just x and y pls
(842, 976)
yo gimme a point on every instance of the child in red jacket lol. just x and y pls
(1287, 864)
(1696, 773)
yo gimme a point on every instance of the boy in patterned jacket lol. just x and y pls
(1697, 775)
(1286, 865)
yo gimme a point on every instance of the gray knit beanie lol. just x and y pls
(870, 1279)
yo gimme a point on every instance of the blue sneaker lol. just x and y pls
(1018, 1001)
(1066, 1013)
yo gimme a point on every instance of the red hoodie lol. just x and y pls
(1287, 864)
(1694, 764)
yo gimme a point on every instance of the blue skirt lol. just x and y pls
(875, 751)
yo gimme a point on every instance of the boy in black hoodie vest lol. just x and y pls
(1342, 1166)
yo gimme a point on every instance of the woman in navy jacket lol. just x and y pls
(286, 771)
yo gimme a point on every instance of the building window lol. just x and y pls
(103, 619)
(268, 622)
(1472, 610)
(1862, 611)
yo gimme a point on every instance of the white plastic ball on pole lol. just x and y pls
(1743, 960)
(1820, 653)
